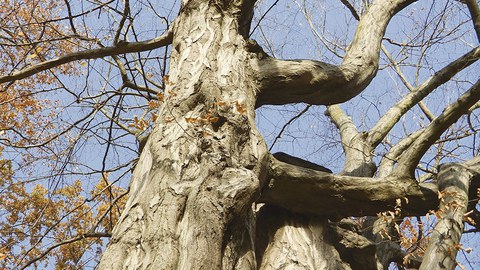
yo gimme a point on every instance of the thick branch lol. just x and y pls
(120, 48)
(315, 82)
(314, 192)
(308, 191)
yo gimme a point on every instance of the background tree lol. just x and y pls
(87, 86)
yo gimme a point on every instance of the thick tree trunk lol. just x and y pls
(205, 162)
(286, 240)
(201, 169)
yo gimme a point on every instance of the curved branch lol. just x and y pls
(409, 160)
(390, 118)
(120, 48)
(314, 82)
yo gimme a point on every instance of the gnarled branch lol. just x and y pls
(310, 191)
(315, 82)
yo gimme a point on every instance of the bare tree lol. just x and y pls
(206, 192)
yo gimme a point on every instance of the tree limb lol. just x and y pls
(358, 153)
(453, 180)
(409, 160)
(314, 82)
(120, 48)
(390, 118)
(315, 192)
(309, 191)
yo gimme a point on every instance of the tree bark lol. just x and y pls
(203, 164)
(453, 181)
(286, 240)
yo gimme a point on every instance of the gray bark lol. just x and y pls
(201, 169)
(453, 181)
(205, 163)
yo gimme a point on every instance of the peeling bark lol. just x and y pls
(203, 164)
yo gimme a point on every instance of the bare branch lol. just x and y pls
(410, 88)
(351, 8)
(121, 48)
(432, 132)
(287, 124)
(390, 118)
(65, 242)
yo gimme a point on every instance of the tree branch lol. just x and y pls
(409, 160)
(410, 88)
(388, 160)
(358, 153)
(315, 192)
(475, 13)
(65, 242)
(319, 83)
(310, 191)
(391, 117)
(120, 48)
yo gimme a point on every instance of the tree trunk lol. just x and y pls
(202, 167)
(453, 181)
(205, 163)
(286, 240)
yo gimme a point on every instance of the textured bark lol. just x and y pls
(453, 181)
(205, 162)
(293, 241)
(201, 169)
